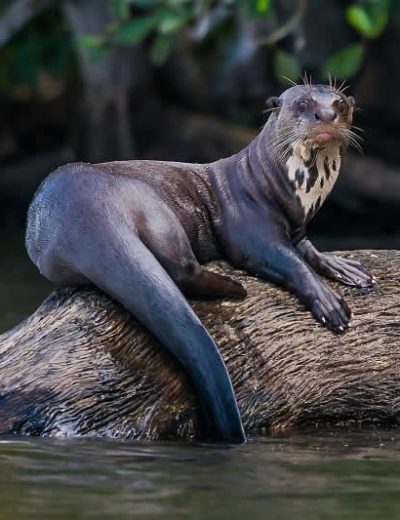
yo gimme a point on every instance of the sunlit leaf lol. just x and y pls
(286, 66)
(369, 22)
(345, 63)
(172, 21)
(254, 8)
(263, 6)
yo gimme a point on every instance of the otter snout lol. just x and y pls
(326, 115)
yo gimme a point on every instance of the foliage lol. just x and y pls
(44, 48)
(163, 21)
(37, 59)
(369, 18)
(346, 62)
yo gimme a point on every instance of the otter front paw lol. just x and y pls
(329, 308)
(348, 272)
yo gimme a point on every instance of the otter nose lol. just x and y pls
(326, 115)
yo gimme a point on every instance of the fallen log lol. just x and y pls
(81, 365)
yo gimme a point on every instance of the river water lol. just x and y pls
(328, 474)
(313, 476)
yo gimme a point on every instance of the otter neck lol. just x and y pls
(312, 175)
(299, 183)
(296, 185)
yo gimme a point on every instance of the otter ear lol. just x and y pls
(273, 102)
(351, 101)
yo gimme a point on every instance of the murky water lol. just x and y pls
(324, 476)
(316, 475)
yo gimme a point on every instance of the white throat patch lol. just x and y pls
(313, 175)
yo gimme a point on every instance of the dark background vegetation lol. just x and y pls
(187, 80)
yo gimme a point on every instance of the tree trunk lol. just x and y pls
(17, 14)
(107, 82)
(82, 366)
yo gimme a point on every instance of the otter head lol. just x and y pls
(312, 125)
(312, 117)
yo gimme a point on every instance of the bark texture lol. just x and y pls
(80, 365)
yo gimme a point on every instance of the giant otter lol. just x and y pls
(140, 231)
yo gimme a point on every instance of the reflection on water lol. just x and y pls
(328, 475)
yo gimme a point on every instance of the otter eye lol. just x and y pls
(342, 106)
(303, 106)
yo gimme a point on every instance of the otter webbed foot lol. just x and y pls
(348, 272)
(327, 306)
(343, 270)
(281, 263)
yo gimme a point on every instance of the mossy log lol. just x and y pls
(81, 365)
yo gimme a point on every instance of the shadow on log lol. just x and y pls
(82, 366)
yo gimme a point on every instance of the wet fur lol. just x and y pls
(140, 230)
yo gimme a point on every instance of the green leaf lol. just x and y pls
(121, 8)
(135, 30)
(161, 49)
(172, 21)
(263, 6)
(91, 41)
(254, 8)
(286, 66)
(369, 22)
(345, 63)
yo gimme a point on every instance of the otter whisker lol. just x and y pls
(356, 146)
(284, 135)
(285, 146)
(342, 87)
(305, 79)
(353, 140)
(358, 128)
(350, 132)
(272, 109)
(290, 81)
(287, 136)
(332, 81)
(284, 141)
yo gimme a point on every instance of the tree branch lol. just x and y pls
(81, 365)
(286, 28)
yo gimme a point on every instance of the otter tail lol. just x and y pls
(118, 262)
